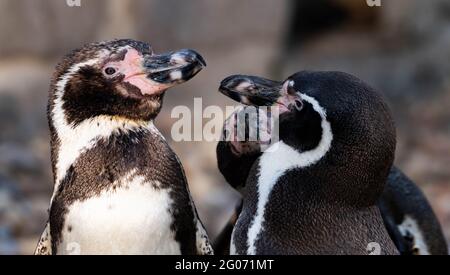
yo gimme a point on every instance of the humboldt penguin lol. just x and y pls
(407, 215)
(118, 186)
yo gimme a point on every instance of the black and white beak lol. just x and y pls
(174, 67)
(250, 90)
(258, 91)
(153, 74)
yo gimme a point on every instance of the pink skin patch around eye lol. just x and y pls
(286, 99)
(132, 68)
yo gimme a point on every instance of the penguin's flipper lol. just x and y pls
(222, 243)
(409, 218)
(404, 245)
(234, 168)
(203, 244)
(44, 247)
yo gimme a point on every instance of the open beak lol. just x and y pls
(173, 68)
(251, 90)
(258, 91)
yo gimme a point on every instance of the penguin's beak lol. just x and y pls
(154, 74)
(173, 68)
(258, 91)
(251, 90)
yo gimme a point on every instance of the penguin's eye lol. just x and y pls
(110, 71)
(298, 105)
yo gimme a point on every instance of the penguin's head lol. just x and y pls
(339, 124)
(119, 78)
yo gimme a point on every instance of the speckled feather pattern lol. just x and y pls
(98, 137)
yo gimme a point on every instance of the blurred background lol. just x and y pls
(401, 48)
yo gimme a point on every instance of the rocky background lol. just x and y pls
(402, 48)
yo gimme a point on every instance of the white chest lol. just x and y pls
(131, 220)
(274, 163)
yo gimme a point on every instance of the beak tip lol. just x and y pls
(202, 61)
(174, 67)
(193, 56)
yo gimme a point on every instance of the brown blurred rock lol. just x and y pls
(51, 27)
(47, 27)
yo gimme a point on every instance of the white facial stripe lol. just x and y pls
(409, 225)
(74, 140)
(276, 161)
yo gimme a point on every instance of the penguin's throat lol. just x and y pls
(72, 141)
(278, 159)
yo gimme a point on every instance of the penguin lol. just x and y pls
(319, 183)
(407, 215)
(119, 187)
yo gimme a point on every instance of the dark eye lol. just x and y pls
(110, 71)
